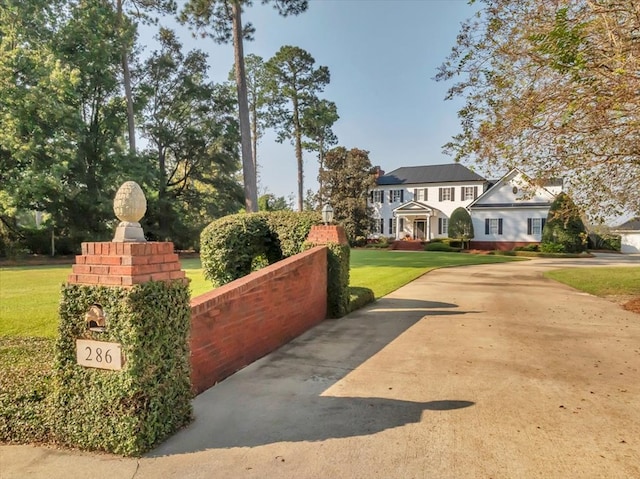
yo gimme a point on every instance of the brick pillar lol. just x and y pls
(323, 234)
(125, 264)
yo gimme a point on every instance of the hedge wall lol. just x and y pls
(233, 246)
(128, 411)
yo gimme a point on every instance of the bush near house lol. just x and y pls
(564, 231)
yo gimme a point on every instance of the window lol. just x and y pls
(447, 194)
(535, 226)
(469, 193)
(378, 226)
(377, 196)
(443, 226)
(392, 226)
(420, 194)
(493, 226)
(396, 196)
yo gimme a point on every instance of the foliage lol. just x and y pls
(347, 178)
(129, 411)
(291, 228)
(192, 140)
(230, 246)
(530, 247)
(564, 231)
(460, 225)
(338, 265)
(269, 202)
(604, 241)
(552, 87)
(293, 83)
(25, 390)
(440, 247)
(359, 297)
(221, 20)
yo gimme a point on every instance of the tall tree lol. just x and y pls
(140, 10)
(192, 139)
(317, 123)
(552, 86)
(348, 176)
(294, 79)
(221, 20)
(258, 100)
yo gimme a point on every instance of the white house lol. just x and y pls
(417, 201)
(512, 212)
(629, 235)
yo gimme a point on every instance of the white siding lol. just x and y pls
(514, 223)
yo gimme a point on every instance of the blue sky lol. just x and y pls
(382, 55)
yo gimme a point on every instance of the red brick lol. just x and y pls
(81, 268)
(160, 276)
(170, 258)
(87, 279)
(110, 280)
(177, 274)
(110, 260)
(141, 278)
(121, 270)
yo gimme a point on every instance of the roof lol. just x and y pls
(449, 173)
(631, 225)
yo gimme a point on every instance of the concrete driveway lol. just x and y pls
(476, 372)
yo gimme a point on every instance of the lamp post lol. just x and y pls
(327, 214)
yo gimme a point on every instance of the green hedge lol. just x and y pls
(233, 246)
(129, 411)
(360, 297)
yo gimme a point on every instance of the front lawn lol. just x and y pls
(604, 281)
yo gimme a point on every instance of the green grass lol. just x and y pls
(602, 281)
(29, 295)
(385, 271)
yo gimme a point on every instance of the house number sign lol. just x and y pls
(99, 354)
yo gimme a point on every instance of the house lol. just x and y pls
(512, 212)
(417, 202)
(629, 235)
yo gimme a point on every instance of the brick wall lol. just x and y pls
(125, 264)
(248, 318)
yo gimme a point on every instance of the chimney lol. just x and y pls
(379, 172)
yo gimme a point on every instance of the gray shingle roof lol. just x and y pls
(408, 175)
(633, 224)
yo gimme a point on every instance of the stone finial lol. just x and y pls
(129, 206)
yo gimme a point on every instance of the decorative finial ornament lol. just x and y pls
(129, 206)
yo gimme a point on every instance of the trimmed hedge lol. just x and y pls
(233, 246)
(338, 260)
(129, 411)
(360, 297)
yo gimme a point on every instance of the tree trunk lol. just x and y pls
(248, 166)
(126, 74)
(298, 136)
(254, 138)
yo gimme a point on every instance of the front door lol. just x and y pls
(420, 230)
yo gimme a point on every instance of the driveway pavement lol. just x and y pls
(477, 372)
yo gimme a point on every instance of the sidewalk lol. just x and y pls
(481, 371)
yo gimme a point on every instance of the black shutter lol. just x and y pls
(453, 194)
(381, 226)
(401, 196)
(390, 226)
(486, 226)
(500, 226)
(426, 194)
(371, 196)
(415, 194)
(382, 197)
(439, 226)
(401, 224)
(529, 225)
(542, 225)
(439, 194)
(475, 192)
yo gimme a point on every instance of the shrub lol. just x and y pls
(359, 297)
(564, 226)
(529, 247)
(439, 246)
(233, 246)
(604, 241)
(338, 257)
(128, 411)
(552, 248)
(230, 245)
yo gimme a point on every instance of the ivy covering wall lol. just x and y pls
(128, 411)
